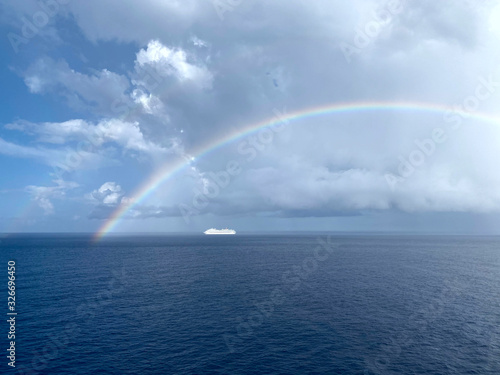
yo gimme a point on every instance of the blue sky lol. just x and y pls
(98, 96)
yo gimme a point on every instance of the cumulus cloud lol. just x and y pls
(157, 95)
(43, 195)
(105, 200)
(106, 92)
(109, 194)
(169, 62)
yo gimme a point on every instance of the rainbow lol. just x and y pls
(171, 169)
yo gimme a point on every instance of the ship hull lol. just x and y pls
(220, 231)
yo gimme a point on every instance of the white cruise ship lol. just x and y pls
(220, 231)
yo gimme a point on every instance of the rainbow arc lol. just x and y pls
(171, 169)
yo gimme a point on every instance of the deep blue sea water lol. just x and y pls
(250, 304)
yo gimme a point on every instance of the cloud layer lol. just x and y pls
(199, 73)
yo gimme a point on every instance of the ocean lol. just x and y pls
(253, 304)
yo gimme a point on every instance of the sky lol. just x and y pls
(179, 116)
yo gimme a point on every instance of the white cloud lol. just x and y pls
(100, 90)
(43, 195)
(198, 42)
(94, 136)
(494, 21)
(164, 80)
(150, 103)
(65, 159)
(172, 62)
(109, 194)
